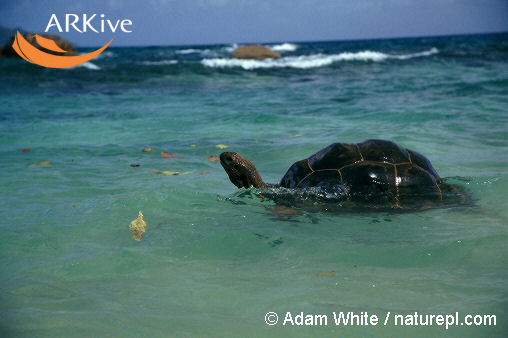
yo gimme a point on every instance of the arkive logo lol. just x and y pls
(32, 54)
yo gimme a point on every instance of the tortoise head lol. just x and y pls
(241, 171)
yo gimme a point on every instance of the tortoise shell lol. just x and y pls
(374, 171)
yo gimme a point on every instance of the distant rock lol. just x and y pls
(6, 33)
(256, 52)
(8, 51)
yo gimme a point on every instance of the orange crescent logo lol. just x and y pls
(31, 54)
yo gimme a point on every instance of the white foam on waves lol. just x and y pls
(311, 61)
(90, 65)
(87, 65)
(231, 49)
(192, 51)
(284, 47)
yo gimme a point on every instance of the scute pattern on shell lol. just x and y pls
(375, 171)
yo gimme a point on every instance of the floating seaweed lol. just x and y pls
(165, 154)
(172, 173)
(43, 163)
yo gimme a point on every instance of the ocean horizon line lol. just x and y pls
(284, 41)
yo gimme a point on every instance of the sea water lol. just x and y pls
(214, 260)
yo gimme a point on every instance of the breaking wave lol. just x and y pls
(192, 51)
(231, 48)
(284, 47)
(87, 65)
(311, 61)
(90, 65)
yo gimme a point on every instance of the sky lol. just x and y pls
(187, 22)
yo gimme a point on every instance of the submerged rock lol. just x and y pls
(256, 52)
(66, 45)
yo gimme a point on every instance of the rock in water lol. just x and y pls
(66, 45)
(256, 52)
(138, 227)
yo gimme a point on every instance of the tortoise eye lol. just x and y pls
(227, 159)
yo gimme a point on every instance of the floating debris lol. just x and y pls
(26, 150)
(147, 150)
(172, 173)
(193, 145)
(221, 146)
(297, 135)
(43, 163)
(322, 274)
(165, 154)
(203, 173)
(135, 165)
(213, 158)
(138, 227)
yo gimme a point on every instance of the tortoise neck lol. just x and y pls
(256, 180)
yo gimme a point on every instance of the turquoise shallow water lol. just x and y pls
(212, 262)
